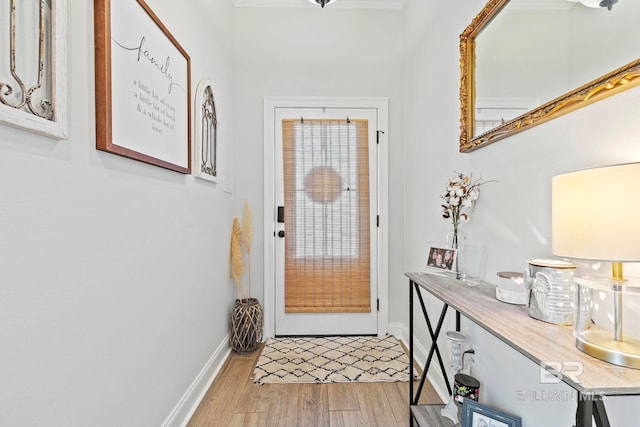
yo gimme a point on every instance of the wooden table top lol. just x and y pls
(537, 340)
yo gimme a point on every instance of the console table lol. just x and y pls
(537, 340)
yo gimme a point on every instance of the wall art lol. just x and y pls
(206, 133)
(142, 86)
(33, 66)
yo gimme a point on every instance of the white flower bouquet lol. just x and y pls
(459, 197)
(461, 194)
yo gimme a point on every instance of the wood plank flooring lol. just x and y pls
(234, 400)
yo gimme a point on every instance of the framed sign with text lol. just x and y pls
(142, 86)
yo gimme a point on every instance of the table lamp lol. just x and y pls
(596, 216)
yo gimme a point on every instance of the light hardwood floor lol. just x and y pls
(233, 400)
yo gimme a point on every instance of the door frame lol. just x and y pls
(270, 105)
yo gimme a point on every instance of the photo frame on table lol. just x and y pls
(206, 133)
(143, 86)
(476, 414)
(441, 259)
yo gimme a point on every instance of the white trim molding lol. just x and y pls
(185, 408)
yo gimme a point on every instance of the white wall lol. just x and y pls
(512, 217)
(309, 51)
(114, 289)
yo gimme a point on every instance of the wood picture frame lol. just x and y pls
(476, 414)
(206, 141)
(143, 86)
(24, 106)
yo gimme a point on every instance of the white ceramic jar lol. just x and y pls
(552, 290)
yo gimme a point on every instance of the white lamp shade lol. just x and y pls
(596, 214)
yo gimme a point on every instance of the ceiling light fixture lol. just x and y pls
(608, 3)
(597, 3)
(322, 3)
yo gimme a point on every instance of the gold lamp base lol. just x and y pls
(601, 345)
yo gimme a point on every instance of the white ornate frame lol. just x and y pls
(57, 126)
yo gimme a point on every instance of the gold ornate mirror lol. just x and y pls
(524, 62)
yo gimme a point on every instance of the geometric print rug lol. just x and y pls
(331, 360)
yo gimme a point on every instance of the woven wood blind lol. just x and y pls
(326, 190)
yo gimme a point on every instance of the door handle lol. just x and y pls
(281, 233)
(280, 214)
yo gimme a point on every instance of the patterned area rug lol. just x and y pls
(331, 360)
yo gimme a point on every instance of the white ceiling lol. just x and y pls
(541, 4)
(392, 4)
(339, 4)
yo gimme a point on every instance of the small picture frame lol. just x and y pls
(476, 414)
(440, 258)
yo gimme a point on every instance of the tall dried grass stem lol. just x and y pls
(247, 236)
(237, 260)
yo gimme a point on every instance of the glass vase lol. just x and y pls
(457, 240)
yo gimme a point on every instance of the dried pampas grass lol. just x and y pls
(237, 260)
(247, 236)
(247, 227)
(239, 236)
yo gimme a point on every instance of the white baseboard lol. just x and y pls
(396, 329)
(189, 402)
(420, 353)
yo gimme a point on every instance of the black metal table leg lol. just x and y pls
(414, 397)
(411, 285)
(600, 413)
(591, 407)
(584, 413)
(434, 345)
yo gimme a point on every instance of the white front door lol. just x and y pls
(326, 234)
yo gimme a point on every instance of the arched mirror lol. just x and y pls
(524, 62)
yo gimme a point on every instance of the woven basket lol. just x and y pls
(246, 325)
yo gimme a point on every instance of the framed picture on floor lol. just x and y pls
(476, 414)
